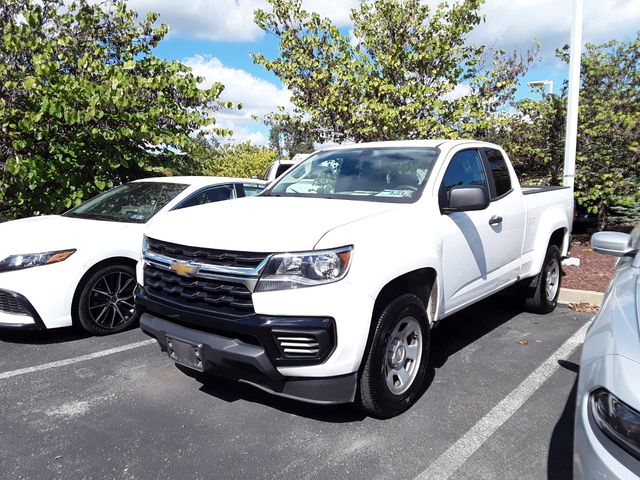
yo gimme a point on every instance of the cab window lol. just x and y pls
(499, 172)
(465, 170)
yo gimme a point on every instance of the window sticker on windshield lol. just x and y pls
(137, 217)
(395, 193)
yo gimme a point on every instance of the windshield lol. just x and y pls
(133, 202)
(382, 174)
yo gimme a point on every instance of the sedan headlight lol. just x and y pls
(18, 262)
(305, 269)
(617, 420)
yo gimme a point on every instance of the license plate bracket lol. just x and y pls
(185, 353)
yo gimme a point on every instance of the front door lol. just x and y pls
(471, 241)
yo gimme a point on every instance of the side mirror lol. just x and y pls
(464, 199)
(617, 244)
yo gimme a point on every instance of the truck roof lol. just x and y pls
(434, 143)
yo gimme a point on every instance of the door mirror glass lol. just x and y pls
(461, 199)
(617, 244)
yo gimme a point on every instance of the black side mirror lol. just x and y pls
(464, 199)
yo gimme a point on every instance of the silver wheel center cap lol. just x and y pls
(397, 354)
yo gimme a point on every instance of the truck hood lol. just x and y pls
(261, 224)
(55, 232)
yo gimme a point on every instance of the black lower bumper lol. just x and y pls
(235, 359)
(20, 306)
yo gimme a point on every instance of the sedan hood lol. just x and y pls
(261, 224)
(55, 232)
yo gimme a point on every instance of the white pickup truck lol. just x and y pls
(325, 287)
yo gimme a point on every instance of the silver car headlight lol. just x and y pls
(19, 262)
(305, 269)
(619, 421)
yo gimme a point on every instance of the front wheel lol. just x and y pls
(106, 303)
(395, 364)
(542, 292)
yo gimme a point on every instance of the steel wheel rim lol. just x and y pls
(403, 352)
(111, 299)
(552, 282)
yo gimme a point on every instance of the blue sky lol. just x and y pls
(216, 37)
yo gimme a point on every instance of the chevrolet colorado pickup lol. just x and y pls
(325, 287)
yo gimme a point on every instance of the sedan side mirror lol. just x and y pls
(463, 199)
(617, 244)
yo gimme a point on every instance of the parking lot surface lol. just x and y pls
(113, 407)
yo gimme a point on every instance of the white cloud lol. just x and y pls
(258, 96)
(514, 24)
(229, 20)
(510, 23)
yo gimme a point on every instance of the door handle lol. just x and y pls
(495, 220)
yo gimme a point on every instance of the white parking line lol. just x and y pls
(470, 442)
(71, 361)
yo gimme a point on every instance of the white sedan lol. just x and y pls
(78, 268)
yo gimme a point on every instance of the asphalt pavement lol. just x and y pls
(111, 407)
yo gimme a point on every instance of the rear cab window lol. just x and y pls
(498, 173)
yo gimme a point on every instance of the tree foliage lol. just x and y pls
(407, 71)
(206, 155)
(608, 149)
(84, 104)
(289, 137)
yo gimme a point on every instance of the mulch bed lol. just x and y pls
(595, 270)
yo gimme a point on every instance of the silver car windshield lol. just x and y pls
(389, 174)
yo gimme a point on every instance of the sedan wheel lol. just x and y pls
(106, 304)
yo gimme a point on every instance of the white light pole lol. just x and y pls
(546, 83)
(574, 92)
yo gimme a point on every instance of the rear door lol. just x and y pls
(471, 241)
(507, 199)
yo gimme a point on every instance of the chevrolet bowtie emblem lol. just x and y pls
(184, 269)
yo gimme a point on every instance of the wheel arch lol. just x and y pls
(119, 260)
(422, 282)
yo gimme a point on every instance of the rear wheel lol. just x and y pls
(396, 360)
(106, 303)
(542, 292)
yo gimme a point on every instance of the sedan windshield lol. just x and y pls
(134, 202)
(390, 174)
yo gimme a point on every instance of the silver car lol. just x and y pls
(607, 435)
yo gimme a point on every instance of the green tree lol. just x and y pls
(84, 104)
(608, 149)
(533, 137)
(240, 160)
(289, 137)
(399, 76)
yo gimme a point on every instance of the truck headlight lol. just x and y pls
(18, 262)
(617, 420)
(305, 269)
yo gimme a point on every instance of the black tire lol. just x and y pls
(374, 394)
(105, 304)
(537, 298)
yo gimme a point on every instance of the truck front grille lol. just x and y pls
(10, 304)
(223, 297)
(206, 255)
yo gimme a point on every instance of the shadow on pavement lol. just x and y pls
(560, 459)
(46, 337)
(457, 332)
(58, 335)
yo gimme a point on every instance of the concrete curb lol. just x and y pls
(568, 295)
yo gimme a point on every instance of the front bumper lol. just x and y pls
(251, 363)
(596, 456)
(17, 312)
